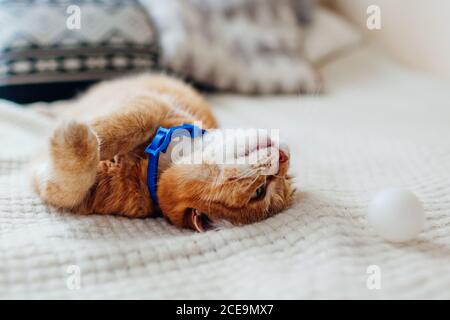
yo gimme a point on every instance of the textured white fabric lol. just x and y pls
(378, 125)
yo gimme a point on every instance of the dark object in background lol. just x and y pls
(45, 57)
(45, 92)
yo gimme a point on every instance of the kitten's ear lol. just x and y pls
(196, 220)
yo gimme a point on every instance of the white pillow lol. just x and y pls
(328, 35)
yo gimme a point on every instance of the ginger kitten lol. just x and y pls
(96, 161)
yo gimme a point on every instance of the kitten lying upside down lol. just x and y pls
(97, 163)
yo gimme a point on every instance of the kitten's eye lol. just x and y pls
(259, 193)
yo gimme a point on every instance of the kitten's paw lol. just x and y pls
(74, 145)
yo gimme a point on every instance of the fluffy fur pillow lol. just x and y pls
(247, 46)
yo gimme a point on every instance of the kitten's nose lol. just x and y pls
(283, 153)
(283, 157)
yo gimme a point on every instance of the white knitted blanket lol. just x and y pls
(377, 126)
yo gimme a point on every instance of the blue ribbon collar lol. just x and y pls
(160, 143)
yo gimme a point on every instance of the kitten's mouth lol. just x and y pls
(200, 221)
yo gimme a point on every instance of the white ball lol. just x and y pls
(396, 215)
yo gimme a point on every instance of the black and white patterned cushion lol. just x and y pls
(42, 57)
